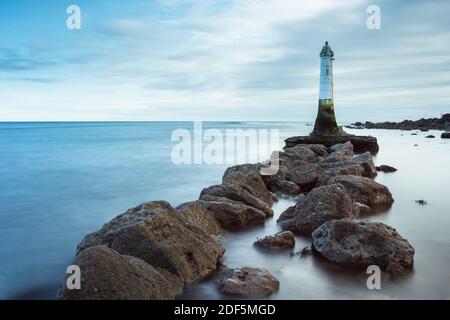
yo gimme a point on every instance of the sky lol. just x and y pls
(251, 60)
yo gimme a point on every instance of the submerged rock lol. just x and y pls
(107, 275)
(318, 206)
(163, 237)
(386, 168)
(361, 244)
(248, 282)
(430, 136)
(281, 240)
(366, 191)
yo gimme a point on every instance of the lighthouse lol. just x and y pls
(326, 121)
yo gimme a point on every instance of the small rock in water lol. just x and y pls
(445, 135)
(306, 251)
(281, 240)
(248, 281)
(386, 168)
(430, 136)
(414, 134)
(421, 202)
(416, 145)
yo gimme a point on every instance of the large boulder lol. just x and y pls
(163, 237)
(248, 282)
(305, 176)
(108, 275)
(318, 206)
(340, 152)
(361, 244)
(200, 216)
(445, 135)
(366, 191)
(236, 193)
(233, 215)
(247, 177)
(366, 161)
(281, 240)
(301, 152)
(339, 168)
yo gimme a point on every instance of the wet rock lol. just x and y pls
(286, 187)
(360, 143)
(236, 193)
(361, 244)
(107, 275)
(305, 176)
(320, 205)
(163, 237)
(445, 135)
(233, 215)
(366, 161)
(248, 282)
(386, 168)
(430, 136)
(366, 191)
(200, 216)
(396, 269)
(281, 240)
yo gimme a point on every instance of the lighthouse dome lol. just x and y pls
(326, 51)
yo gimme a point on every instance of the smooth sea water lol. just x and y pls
(60, 181)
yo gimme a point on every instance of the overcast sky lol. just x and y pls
(221, 60)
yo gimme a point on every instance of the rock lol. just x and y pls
(306, 251)
(340, 152)
(395, 269)
(445, 135)
(361, 244)
(236, 193)
(301, 152)
(163, 237)
(422, 124)
(319, 149)
(421, 202)
(248, 178)
(320, 205)
(248, 282)
(360, 143)
(305, 176)
(430, 136)
(346, 169)
(366, 191)
(200, 216)
(107, 275)
(286, 187)
(281, 240)
(385, 168)
(233, 215)
(366, 161)
(363, 209)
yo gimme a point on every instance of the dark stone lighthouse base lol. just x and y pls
(361, 144)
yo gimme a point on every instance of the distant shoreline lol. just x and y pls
(442, 123)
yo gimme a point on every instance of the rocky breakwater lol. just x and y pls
(154, 250)
(329, 209)
(442, 123)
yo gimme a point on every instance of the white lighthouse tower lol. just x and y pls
(326, 120)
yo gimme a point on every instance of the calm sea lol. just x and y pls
(59, 181)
